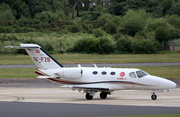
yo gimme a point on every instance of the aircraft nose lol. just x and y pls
(171, 84)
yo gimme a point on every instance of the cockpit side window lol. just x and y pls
(141, 73)
(132, 75)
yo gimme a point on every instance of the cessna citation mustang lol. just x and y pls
(94, 79)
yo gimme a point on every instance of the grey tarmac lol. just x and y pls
(42, 98)
(21, 109)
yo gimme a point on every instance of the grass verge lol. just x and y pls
(149, 116)
(169, 72)
(95, 58)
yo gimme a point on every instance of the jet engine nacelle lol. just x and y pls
(71, 73)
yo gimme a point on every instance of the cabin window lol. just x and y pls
(95, 72)
(132, 75)
(141, 73)
(104, 73)
(112, 73)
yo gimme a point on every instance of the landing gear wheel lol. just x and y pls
(88, 96)
(154, 96)
(103, 95)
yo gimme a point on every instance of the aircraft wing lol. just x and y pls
(89, 87)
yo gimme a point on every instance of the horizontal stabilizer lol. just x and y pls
(23, 46)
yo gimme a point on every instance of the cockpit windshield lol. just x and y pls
(141, 73)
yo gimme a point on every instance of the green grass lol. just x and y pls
(95, 58)
(149, 116)
(169, 72)
(53, 38)
(18, 73)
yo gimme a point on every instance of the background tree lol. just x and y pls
(134, 21)
(75, 5)
(175, 9)
(118, 8)
(6, 13)
(162, 34)
(166, 5)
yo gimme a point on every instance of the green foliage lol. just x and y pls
(121, 7)
(162, 34)
(137, 46)
(134, 21)
(93, 45)
(175, 9)
(30, 8)
(153, 24)
(21, 9)
(145, 46)
(103, 19)
(98, 8)
(8, 38)
(105, 46)
(153, 7)
(110, 27)
(74, 29)
(166, 5)
(174, 20)
(116, 36)
(141, 34)
(118, 8)
(124, 45)
(46, 16)
(175, 34)
(6, 13)
(98, 32)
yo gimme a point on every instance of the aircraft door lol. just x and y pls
(133, 78)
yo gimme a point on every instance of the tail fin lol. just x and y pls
(40, 57)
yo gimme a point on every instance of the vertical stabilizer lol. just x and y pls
(39, 56)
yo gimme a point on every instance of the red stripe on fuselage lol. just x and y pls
(78, 83)
(38, 73)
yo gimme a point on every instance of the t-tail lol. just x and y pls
(39, 56)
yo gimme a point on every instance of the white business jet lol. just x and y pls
(94, 79)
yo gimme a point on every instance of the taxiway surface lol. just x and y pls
(41, 98)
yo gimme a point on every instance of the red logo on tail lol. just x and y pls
(37, 51)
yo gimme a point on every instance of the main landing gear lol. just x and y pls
(103, 95)
(88, 96)
(154, 96)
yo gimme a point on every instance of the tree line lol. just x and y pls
(131, 22)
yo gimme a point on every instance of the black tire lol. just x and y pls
(103, 95)
(88, 96)
(154, 97)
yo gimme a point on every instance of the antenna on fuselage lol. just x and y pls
(95, 66)
(79, 65)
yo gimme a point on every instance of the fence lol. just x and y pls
(175, 45)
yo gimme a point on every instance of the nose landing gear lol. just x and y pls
(103, 95)
(154, 96)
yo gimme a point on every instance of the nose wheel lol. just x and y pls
(103, 95)
(154, 96)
